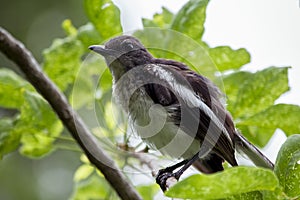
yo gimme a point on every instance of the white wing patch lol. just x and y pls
(187, 95)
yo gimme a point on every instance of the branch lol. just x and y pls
(16, 51)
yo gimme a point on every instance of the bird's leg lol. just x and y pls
(172, 168)
(164, 174)
(186, 166)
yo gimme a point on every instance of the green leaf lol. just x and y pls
(105, 81)
(166, 43)
(278, 194)
(62, 60)
(259, 136)
(247, 196)
(82, 92)
(149, 23)
(92, 188)
(84, 159)
(283, 116)
(232, 84)
(260, 91)
(190, 19)
(287, 166)
(155, 40)
(226, 58)
(233, 181)
(148, 191)
(12, 87)
(38, 126)
(9, 140)
(162, 20)
(83, 172)
(35, 144)
(105, 16)
(69, 28)
(88, 35)
(92, 80)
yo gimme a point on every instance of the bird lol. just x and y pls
(174, 110)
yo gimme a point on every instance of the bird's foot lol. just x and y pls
(163, 177)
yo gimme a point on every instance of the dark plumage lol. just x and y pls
(189, 102)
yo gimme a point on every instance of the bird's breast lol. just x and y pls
(153, 124)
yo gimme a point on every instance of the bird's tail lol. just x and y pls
(257, 157)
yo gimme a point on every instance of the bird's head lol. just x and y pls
(123, 53)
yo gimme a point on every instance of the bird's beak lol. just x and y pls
(102, 50)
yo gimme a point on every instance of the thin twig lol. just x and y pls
(16, 51)
(143, 159)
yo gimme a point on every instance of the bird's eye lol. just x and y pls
(127, 45)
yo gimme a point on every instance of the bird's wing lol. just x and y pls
(192, 103)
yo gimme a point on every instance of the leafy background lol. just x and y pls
(29, 126)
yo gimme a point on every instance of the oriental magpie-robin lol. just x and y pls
(174, 110)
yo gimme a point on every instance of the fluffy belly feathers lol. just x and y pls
(152, 123)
